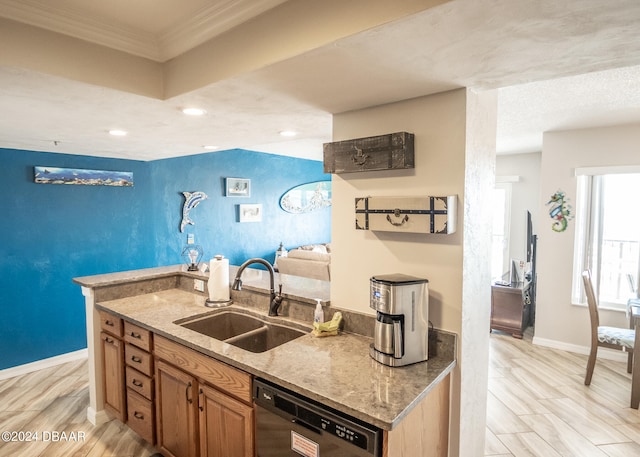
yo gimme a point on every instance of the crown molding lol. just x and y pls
(210, 22)
(206, 24)
(81, 26)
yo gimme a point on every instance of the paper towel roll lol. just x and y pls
(218, 285)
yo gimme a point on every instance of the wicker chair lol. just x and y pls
(608, 337)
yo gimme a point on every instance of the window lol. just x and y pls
(607, 234)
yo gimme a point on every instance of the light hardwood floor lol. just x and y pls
(55, 400)
(537, 405)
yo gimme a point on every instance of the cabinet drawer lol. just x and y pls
(110, 323)
(139, 382)
(230, 380)
(138, 359)
(140, 416)
(137, 336)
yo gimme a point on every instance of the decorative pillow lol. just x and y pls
(309, 255)
(314, 247)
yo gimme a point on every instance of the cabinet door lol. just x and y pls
(226, 425)
(176, 411)
(113, 372)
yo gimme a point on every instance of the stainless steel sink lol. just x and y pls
(264, 338)
(224, 325)
(246, 331)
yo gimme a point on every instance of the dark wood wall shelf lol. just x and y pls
(384, 152)
(512, 308)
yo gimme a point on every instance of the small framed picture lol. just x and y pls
(251, 213)
(237, 187)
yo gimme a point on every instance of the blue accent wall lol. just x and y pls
(216, 226)
(53, 233)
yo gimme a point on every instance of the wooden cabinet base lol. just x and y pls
(176, 392)
(113, 372)
(425, 431)
(226, 425)
(140, 416)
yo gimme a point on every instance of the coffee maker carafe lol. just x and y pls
(402, 322)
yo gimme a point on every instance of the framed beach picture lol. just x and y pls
(237, 187)
(77, 176)
(250, 213)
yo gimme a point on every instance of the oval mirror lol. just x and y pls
(307, 197)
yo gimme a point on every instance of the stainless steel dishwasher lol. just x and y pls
(291, 425)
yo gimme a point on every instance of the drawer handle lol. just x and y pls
(189, 400)
(109, 323)
(108, 340)
(136, 335)
(136, 359)
(136, 383)
(138, 415)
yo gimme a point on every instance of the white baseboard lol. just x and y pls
(603, 353)
(44, 363)
(97, 417)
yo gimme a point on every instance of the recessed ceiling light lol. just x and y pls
(193, 111)
(288, 133)
(208, 146)
(117, 132)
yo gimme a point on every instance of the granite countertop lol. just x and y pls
(336, 371)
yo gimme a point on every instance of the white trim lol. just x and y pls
(509, 178)
(603, 353)
(206, 24)
(620, 169)
(97, 417)
(44, 363)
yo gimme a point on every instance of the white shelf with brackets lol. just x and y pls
(423, 214)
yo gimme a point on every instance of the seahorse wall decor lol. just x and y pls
(561, 211)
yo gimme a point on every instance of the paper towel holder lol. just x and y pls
(216, 303)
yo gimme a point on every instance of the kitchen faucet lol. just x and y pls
(274, 300)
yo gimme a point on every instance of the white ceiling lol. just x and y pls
(557, 65)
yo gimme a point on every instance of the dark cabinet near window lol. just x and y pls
(512, 308)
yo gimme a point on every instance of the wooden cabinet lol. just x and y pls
(425, 430)
(140, 416)
(139, 381)
(176, 411)
(205, 405)
(113, 369)
(511, 308)
(226, 425)
(113, 365)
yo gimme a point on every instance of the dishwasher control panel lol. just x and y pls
(295, 409)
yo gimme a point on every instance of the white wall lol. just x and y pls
(454, 146)
(558, 322)
(525, 195)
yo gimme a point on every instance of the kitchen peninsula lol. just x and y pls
(409, 404)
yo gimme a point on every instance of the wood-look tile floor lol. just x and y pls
(53, 403)
(538, 405)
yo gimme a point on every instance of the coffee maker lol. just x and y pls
(402, 323)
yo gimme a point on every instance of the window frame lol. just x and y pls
(505, 184)
(589, 229)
